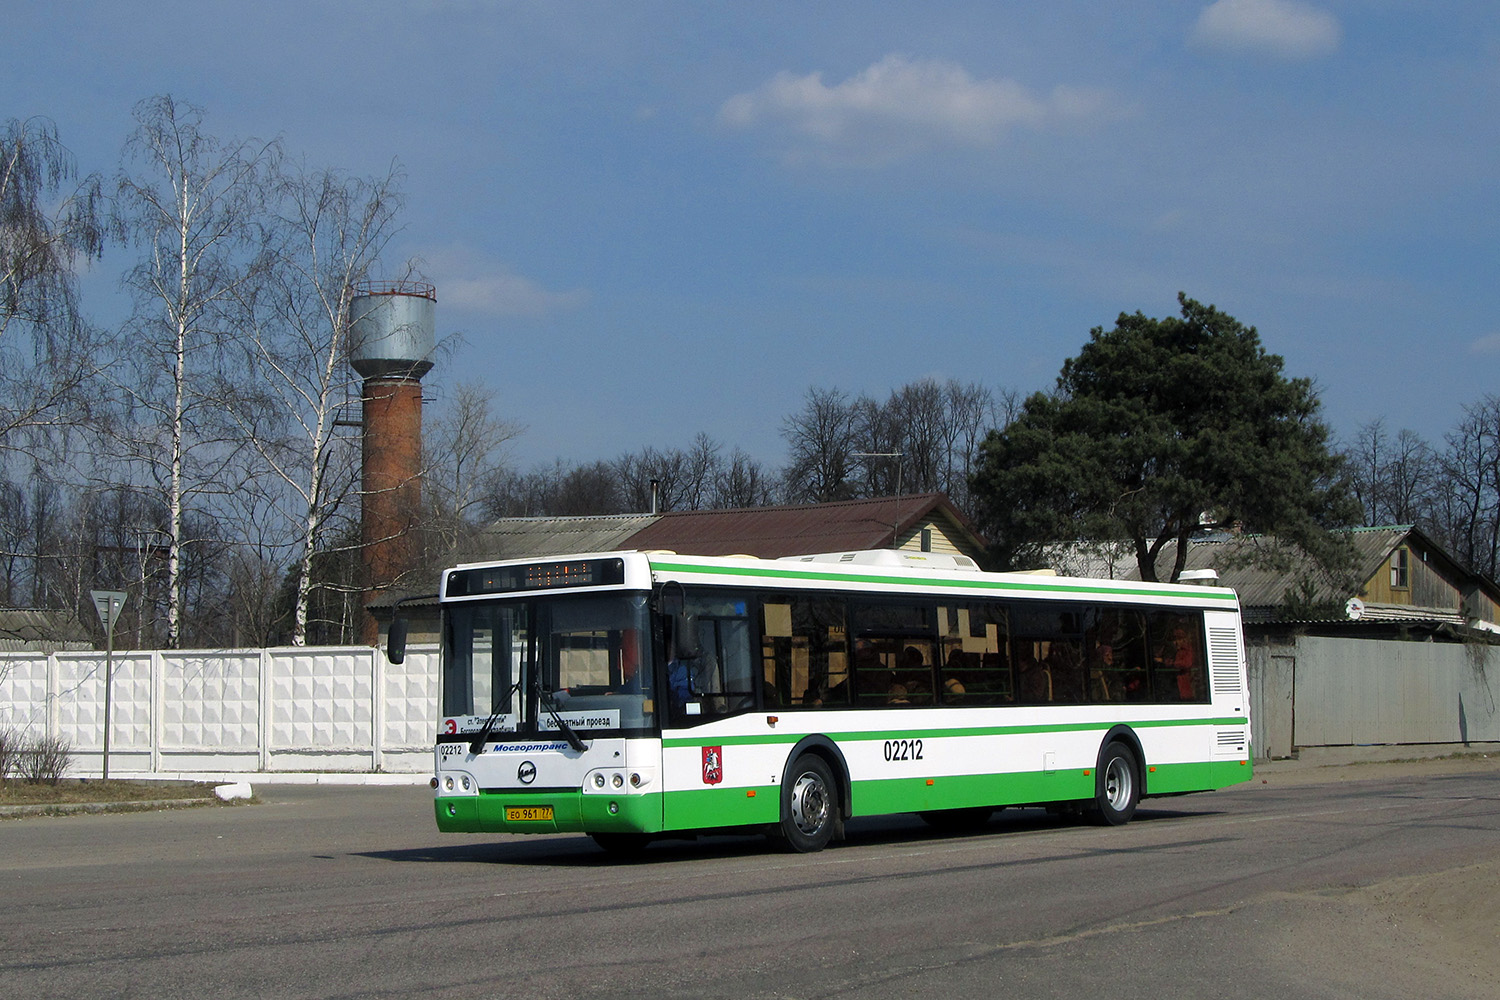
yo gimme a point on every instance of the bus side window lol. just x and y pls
(1049, 653)
(1178, 668)
(805, 652)
(721, 680)
(974, 668)
(1116, 644)
(895, 652)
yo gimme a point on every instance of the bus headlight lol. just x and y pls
(618, 780)
(598, 779)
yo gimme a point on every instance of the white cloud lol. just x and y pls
(899, 105)
(1284, 28)
(468, 281)
(1486, 345)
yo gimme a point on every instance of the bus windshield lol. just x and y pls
(537, 664)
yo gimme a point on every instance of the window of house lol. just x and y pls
(1400, 568)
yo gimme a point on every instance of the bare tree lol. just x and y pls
(1466, 506)
(464, 460)
(42, 372)
(327, 232)
(193, 210)
(1393, 477)
(652, 480)
(821, 440)
(556, 490)
(743, 481)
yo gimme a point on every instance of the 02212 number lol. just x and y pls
(903, 749)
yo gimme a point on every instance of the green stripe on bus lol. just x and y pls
(933, 733)
(956, 583)
(722, 807)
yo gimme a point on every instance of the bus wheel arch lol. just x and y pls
(814, 795)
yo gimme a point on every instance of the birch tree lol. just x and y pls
(330, 231)
(194, 207)
(45, 351)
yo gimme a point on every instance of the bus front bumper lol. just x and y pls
(548, 811)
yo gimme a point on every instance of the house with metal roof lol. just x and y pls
(1401, 581)
(919, 522)
(1404, 652)
(41, 630)
(923, 522)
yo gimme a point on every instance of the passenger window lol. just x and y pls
(1116, 644)
(721, 680)
(895, 652)
(1177, 663)
(1049, 665)
(806, 653)
(976, 667)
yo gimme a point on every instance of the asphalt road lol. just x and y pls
(1375, 883)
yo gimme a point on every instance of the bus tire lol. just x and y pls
(809, 805)
(1117, 786)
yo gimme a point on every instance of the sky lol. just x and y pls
(648, 220)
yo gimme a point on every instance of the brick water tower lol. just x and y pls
(391, 336)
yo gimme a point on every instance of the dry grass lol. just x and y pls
(92, 790)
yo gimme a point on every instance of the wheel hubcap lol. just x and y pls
(809, 803)
(1117, 779)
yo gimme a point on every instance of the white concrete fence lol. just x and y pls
(337, 709)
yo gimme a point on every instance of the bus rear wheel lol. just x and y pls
(809, 805)
(1117, 786)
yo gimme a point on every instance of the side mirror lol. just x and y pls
(685, 644)
(395, 643)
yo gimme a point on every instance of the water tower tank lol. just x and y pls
(392, 329)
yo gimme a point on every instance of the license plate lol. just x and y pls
(528, 814)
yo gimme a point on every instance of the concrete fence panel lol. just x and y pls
(337, 709)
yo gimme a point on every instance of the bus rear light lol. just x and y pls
(448, 783)
(635, 779)
(598, 780)
(618, 781)
(434, 781)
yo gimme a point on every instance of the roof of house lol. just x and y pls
(1261, 569)
(773, 532)
(520, 537)
(40, 629)
(764, 532)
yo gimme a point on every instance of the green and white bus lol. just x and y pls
(642, 695)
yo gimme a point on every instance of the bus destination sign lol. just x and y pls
(536, 576)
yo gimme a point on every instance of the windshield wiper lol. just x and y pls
(545, 697)
(476, 745)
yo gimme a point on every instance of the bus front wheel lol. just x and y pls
(1117, 786)
(809, 805)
